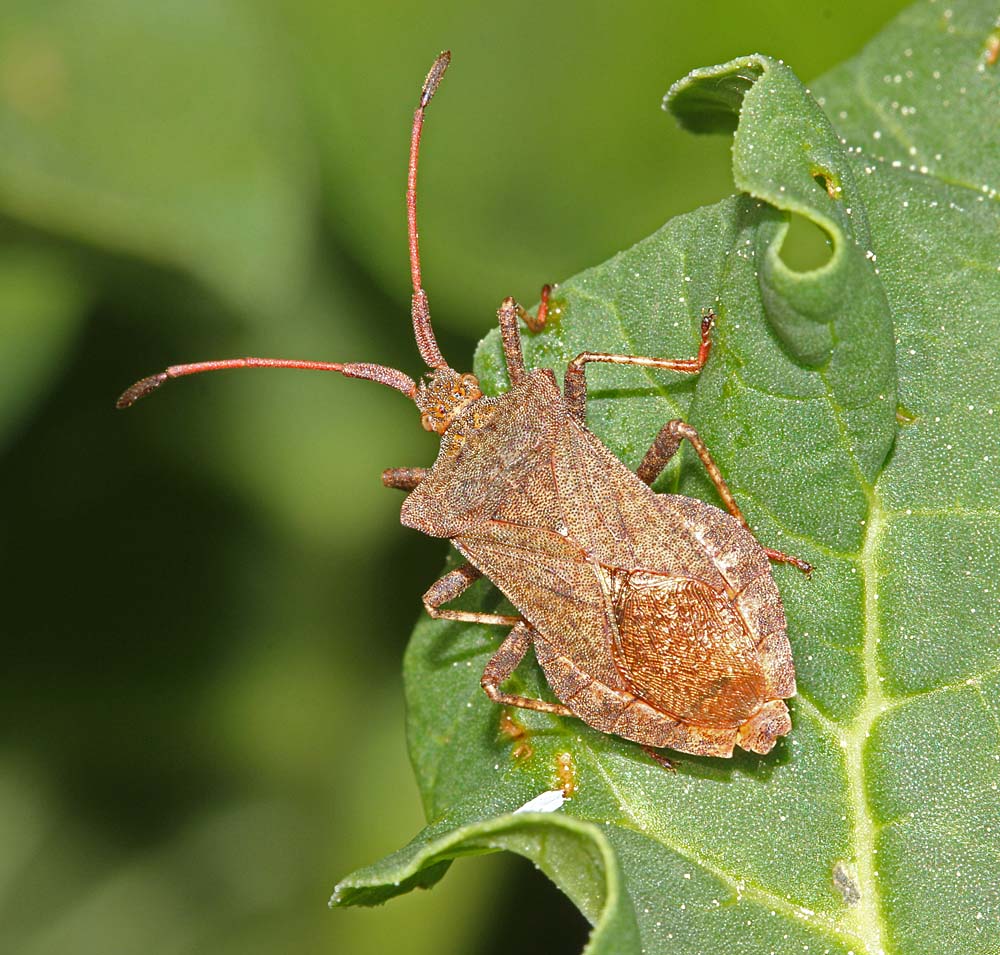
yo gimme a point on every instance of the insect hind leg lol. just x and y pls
(657, 757)
(504, 662)
(663, 449)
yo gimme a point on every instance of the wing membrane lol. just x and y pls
(683, 647)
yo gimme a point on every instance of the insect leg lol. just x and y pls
(450, 586)
(536, 322)
(663, 449)
(504, 662)
(406, 479)
(657, 757)
(575, 384)
(510, 333)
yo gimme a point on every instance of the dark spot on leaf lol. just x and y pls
(828, 182)
(845, 881)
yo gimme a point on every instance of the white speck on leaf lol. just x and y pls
(548, 801)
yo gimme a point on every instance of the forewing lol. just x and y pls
(682, 646)
(617, 518)
(746, 571)
(547, 578)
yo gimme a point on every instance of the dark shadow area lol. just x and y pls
(115, 627)
(533, 917)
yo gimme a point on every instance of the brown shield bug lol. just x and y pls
(654, 616)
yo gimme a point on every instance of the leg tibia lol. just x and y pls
(575, 382)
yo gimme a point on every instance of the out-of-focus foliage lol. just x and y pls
(207, 599)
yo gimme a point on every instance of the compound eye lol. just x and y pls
(470, 384)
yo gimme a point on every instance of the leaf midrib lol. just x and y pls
(646, 825)
(867, 913)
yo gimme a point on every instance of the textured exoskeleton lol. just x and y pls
(654, 616)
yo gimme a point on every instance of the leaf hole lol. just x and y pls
(827, 181)
(806, 246)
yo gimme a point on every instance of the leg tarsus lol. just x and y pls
(782, 558)
(657, 757)
(504, 662)
(537, 322)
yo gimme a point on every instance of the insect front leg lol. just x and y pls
(504, 662)
(663, 449)
(575, 382)
(406, 479)
(537, 322)
(510, 333)
(453, 584)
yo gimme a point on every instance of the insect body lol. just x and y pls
(654, 616)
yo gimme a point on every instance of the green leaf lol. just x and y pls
(575, 854)
(872, 826)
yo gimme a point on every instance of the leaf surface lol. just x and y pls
(872, 826)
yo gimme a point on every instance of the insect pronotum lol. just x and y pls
(655, 617)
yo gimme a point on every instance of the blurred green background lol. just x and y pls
(207, 598)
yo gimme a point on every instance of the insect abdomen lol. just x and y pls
(618, 711)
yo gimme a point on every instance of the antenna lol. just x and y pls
(385, 376)
(422, 331)
(424, 334)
